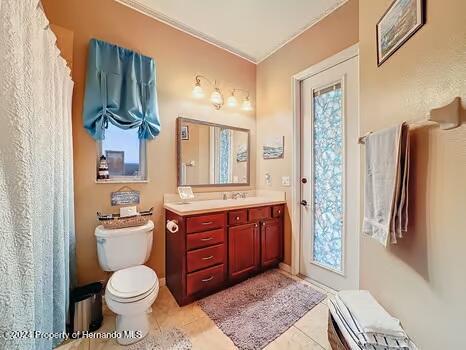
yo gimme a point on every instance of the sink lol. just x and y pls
(211, 205)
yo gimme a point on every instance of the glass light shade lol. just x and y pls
(231, 101)
(247, 106)
(216, 98)
(197, 91)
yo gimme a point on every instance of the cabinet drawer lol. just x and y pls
(205, 257)
(205, 280)
(256, 214)
(205, 222)
(205, 239)
(238, 217)
(277, 211)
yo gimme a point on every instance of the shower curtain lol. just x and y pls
(36, 193)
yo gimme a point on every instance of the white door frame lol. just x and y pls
(296, 80)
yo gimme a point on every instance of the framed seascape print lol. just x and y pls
(401, 20)
(273, 147)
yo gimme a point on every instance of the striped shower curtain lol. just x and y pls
(36, 193)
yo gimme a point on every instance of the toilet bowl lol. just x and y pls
(133, 287)
(129, 294)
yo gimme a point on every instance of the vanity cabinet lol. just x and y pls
(243, 251)
(212, 251)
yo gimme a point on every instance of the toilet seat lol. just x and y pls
(132, 284)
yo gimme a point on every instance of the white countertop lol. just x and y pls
(212, 205)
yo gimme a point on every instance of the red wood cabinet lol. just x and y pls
(243, 250)
(271, 242)
(213, 251)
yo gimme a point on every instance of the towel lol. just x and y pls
(347, 333)
(370, 315)
(386, 185)
(372, 341)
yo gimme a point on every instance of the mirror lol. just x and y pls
(211, 154)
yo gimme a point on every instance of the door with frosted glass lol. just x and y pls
(330, 176)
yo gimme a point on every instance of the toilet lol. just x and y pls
(133, 287)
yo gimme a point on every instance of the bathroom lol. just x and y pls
(265, 54)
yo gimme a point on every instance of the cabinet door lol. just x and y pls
(243, 250)
(271, 242)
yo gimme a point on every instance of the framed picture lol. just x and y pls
(242, 154)
(401, 20)
(184, 132)
(273, 147)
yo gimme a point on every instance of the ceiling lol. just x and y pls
(252, 29)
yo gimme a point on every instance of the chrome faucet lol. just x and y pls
(236, 195)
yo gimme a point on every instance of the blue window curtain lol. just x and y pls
(120, 89)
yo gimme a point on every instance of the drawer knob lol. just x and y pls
(208, 279)
(207, 257)
(207, 239)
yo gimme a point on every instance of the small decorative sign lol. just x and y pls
(125, 197)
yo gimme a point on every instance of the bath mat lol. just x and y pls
(258, 310)
(169, 339)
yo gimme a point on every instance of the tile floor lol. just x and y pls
(309, 332)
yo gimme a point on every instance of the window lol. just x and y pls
(125, 153)
(328, 176)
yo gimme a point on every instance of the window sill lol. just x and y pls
(120, 181)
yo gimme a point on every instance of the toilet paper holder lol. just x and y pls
(172, 226)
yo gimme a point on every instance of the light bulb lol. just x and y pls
(231, 101)
(216, 98)
(247, 106)
(197, 91)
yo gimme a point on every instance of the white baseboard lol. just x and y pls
(285, 267)
(162, 282)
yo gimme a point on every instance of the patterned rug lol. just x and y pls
(169, 339)
(258, 310)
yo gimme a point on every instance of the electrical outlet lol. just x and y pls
(285, 181)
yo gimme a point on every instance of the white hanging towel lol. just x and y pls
(386, 184)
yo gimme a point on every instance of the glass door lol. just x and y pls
(330, 177)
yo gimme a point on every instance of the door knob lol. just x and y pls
(304, 203)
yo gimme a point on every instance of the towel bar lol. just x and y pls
(448, 117)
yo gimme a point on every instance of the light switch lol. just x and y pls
(285, 181)
(268, 179)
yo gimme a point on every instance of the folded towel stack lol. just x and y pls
(365, 324)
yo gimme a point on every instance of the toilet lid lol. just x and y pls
(132, 281)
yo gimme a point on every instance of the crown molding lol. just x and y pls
(137, 6)
(316, 20)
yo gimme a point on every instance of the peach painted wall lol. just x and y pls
(178, 58)
(421, 280)
(331, 35)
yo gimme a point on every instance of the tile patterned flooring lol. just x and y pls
(309, 332)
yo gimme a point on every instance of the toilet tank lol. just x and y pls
(125, 247)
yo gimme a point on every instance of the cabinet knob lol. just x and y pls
(279, 211)
(237, 218)
(208, 257)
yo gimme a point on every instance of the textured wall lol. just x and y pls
(331, 35)
(178, 57)
(421, 280)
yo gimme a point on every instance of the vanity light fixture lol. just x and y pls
(247, 106)
(216, 98)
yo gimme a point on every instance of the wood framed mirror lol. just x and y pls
(210, 154)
